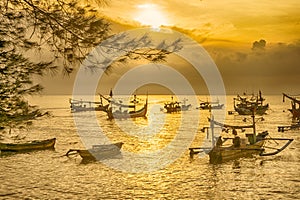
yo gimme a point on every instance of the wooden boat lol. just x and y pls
(244, 105)
(175, 106)
(80, 105)
(28, 146)
(253, 144)
(206, 105)
(295, 110)
(98, 152)
(294, 126)
(119, 113)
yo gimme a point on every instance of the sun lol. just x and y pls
(150, 15)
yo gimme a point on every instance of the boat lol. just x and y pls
(251, 144)
(294, 126)
(98, 152)
(80, 105)
(116, 109)
(206, 105)
(295, 110)
(244, 105)
(28, 146)
(175, 106)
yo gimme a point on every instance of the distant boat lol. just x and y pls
(295, 110)
(206, 105)
(253, 144)
(293, 126)
(80, 105)
(28, 146)
(98, 152)
(116, 109)
(175, 106)
(245, 105)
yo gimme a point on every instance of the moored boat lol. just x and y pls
(207, 105)
(115, 110)
(244, 105)
(175, 106)
(98, 152)
(80, 105)
(252, 144)
(28, 146)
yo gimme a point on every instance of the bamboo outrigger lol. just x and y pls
(255, 144)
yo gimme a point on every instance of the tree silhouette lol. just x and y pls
(42, 36)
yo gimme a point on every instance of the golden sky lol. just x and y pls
(231, 20)
(227, 30)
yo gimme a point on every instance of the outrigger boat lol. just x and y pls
(98, 152)
(206, 105)
(243, 105)
(253, 144)
(294, 126)
(115, 109)
(28, 146)
(80, 105)
(175, 106)
(295, 110)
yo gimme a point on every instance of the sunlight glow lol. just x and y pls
(150, 15)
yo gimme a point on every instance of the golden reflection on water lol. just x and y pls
(49, 175)
(151, 139)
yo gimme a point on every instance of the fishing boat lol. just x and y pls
(243, 105)
(206, 105)
(118, 110)
(294, 126)
(252, 144)
(98, 152)
(80, 105)
(28, 146)
(175, 106)
(295, 110)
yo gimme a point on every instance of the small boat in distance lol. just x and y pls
(175, 106)
(252, 144)
(207, 105)
(28, 146)
(98, 152)
(80, 105)
(244, 105)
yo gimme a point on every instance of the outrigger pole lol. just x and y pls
(278, 150)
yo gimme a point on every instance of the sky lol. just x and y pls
(255, 44)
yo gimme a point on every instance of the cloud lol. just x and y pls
(259, 45)
(275, 70)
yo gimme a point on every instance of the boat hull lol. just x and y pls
(211, 107)
(223, 154)
(260, 110)
(29, 146)
(99, 152)
(125, 115)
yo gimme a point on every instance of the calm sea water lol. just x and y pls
(168, 173)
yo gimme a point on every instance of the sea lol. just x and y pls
(155, 162)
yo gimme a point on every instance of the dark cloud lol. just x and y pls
(274, 71)
(259, 45)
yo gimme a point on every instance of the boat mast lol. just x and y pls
(212, 131)
(254, 125)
